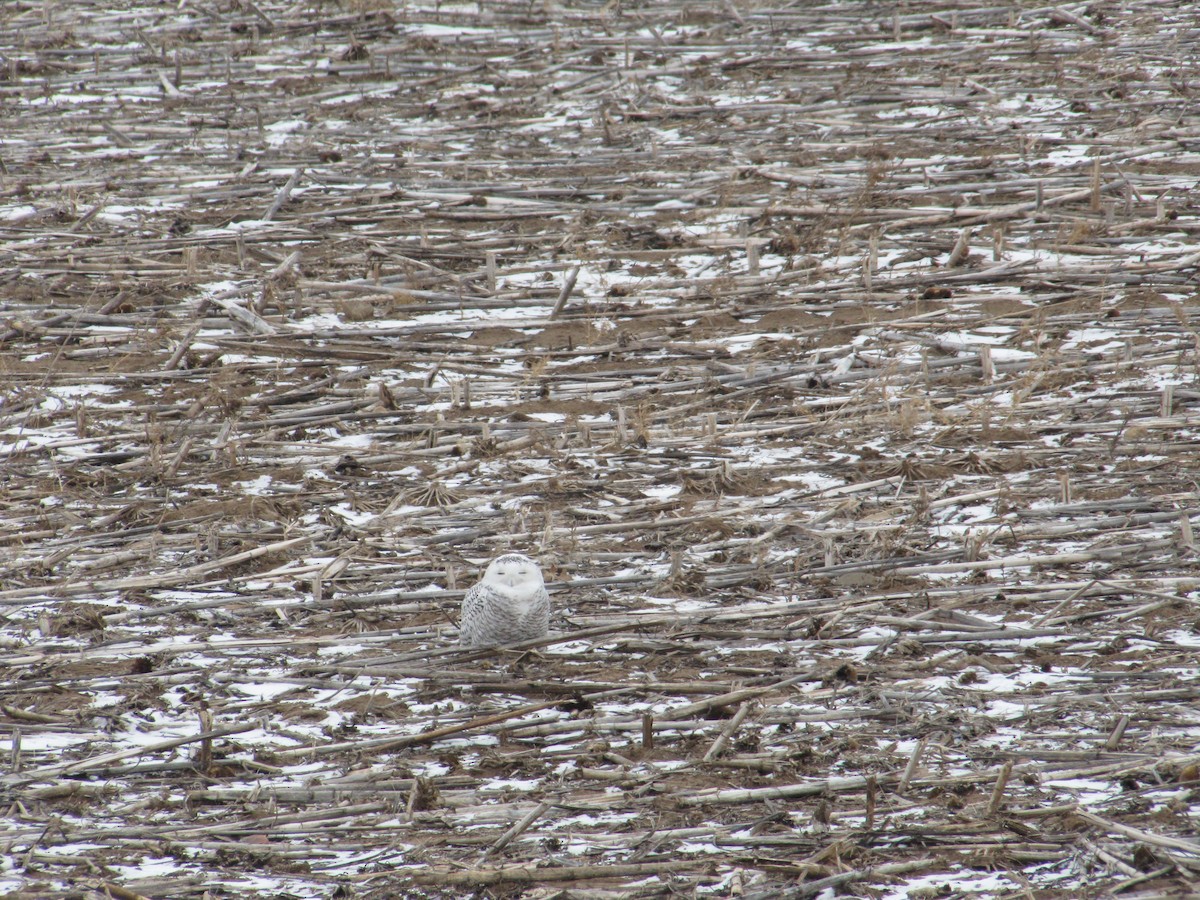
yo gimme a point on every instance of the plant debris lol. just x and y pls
(836, 362)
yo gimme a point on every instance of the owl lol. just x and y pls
(509, 604)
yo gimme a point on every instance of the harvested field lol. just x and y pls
(838, 362)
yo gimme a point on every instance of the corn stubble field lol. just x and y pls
(838, 363)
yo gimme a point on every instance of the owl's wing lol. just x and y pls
(473, 611)
(540, 613)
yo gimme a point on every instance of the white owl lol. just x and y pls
(509, 604)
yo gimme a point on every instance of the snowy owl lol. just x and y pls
(509, 604)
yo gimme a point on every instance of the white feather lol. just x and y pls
(508, 605)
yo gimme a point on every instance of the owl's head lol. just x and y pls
(514, 572)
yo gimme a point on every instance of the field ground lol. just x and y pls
(837, 361)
